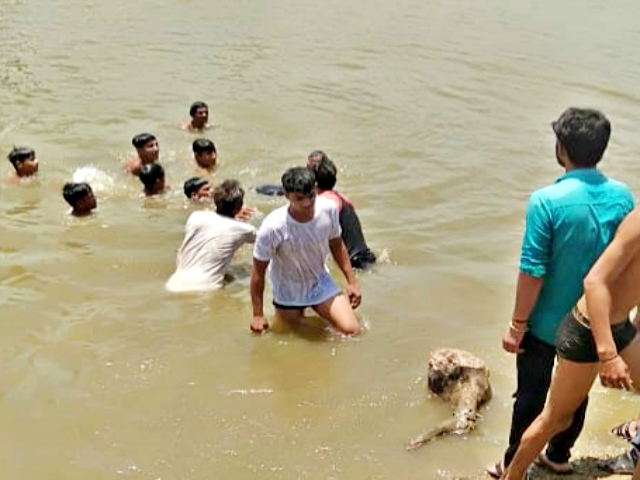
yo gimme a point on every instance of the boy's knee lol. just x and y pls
(351, 329)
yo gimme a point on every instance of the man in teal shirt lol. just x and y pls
(568, 225)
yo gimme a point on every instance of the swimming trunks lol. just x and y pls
(574, 340)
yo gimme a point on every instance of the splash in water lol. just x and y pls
(99, 180)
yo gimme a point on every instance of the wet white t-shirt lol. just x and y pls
(206, 251)
(297, 252)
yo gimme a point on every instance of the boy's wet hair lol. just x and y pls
(326, 172)
(74, 192)
(228, 197)
(195, 106)
(299, 180)
(318, 154)
(150, 174)
(584, 133)
(203, 145)
(20, 154)
(194, 184)
(142, 139)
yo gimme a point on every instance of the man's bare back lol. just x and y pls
(614, 280)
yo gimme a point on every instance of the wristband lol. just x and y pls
(516, 329)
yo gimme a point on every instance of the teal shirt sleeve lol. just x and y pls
(538, 235)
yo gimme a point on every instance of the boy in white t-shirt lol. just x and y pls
(210, 241)
(294, 241)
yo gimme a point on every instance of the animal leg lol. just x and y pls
(446, 427)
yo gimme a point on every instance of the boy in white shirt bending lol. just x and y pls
(210, 241)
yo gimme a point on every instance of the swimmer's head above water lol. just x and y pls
(204, 153)
(24, 161)
(315, 157)
(152, 177)
(199, 112)
(147, 147)
(81, 198)
(198, 189)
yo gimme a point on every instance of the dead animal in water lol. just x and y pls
(462, 379)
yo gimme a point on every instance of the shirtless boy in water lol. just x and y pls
(24, 162)
(199, 113)
(596, 338)
(148, 151)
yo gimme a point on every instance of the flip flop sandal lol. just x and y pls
(623, 430)
(495, 470)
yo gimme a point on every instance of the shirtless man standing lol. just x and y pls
(595, 338)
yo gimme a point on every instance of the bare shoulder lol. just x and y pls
(629, 227)
(132, 165)
(12, 179)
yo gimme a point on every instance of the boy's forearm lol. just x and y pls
(257, 296)
(341, 257)
(527, 293)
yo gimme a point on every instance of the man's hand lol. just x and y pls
(259, 324)
(512, 339)
(245, 213)
(355, 297)
(614, 373)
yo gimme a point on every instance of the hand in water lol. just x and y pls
(259, 324)
(614, 373)
(355, 297)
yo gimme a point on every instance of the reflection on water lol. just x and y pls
(437, 115)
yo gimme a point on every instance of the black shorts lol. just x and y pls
(290, 307)
(574, 341)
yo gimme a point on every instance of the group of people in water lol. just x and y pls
(294, 240)
(578, 281)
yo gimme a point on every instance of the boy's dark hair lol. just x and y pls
(150, 174)
(195, 106)
(74, 192)
(299, 180)
(20, 154)
(325, 174)
(320, 154)
(228, 197)
(192, 185)
(202, 145)
(142, 139)
(584, 134)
